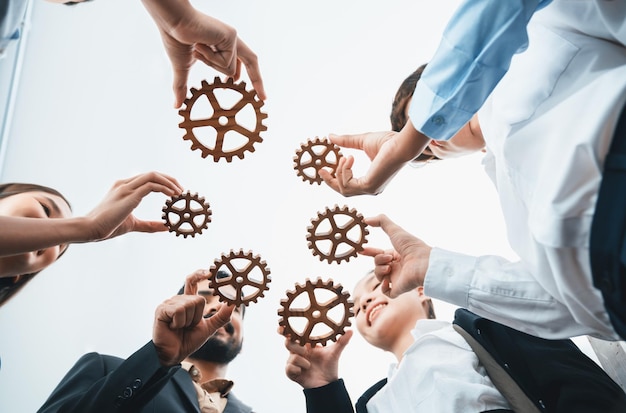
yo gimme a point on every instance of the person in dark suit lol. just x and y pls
(181, 369)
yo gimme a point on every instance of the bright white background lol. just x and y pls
(95, 105)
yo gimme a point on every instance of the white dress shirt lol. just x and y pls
(548, 126)
(439, 372)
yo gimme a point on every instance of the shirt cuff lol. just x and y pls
(449, 276)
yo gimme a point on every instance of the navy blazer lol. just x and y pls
(105, 384)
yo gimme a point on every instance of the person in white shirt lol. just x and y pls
(547, 128)
(423, 346)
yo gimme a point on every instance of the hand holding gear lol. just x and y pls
(344, 229)
(315, 320)
(315, 155)
(225, 120)
(249, 280)
(186, 214)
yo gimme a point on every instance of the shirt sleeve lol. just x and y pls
(500, 290)
(332, 397)
(96, 384)
(475, 52)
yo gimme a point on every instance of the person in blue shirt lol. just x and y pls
(475, 52)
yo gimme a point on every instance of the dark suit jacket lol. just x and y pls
(106, 384)
(551, 375)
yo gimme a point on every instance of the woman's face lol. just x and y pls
(36, 204)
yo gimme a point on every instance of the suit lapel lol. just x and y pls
(188, 393)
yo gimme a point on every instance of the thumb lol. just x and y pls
(220, 318)
(342, 342)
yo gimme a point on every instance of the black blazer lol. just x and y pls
(106, 384)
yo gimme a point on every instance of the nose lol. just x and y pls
(211, 310)
(365, 304)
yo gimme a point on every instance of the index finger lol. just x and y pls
(348, 141)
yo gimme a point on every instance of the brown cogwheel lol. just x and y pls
(246, 283)
(315, 312)
(341, 230)
(186, 214)
(225, 122)
(314, 155)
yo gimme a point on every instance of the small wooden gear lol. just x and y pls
(342, 228)
(314, 155)
(223, 120)
(248, 281)
(323, 313)
(186, 214)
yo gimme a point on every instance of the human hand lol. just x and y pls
(314, 366)
(188, 35)
(180, 328)
(112, 217)
(388, 151)
(403, 268)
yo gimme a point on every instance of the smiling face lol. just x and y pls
(32, 204)
(386, 322)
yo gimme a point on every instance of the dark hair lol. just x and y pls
(9, 286)
(220, 274)
(74, 3)
(403, 96)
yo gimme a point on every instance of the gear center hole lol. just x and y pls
(223, 120)
(316, 314)
(186, 216)
(239, 279)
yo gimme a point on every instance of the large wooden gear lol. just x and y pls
(223, 120)
(249, 281)
(341, 230)
(186, 214)
(314, 155)
(315, 312)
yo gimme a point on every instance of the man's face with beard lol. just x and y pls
(223, 346)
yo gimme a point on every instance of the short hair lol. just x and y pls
(220, 274)
(10, 286)
(398, 116)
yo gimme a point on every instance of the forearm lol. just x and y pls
(474, 54)
(19, 235)
(167, 14)
(95, 385)
(500, 290)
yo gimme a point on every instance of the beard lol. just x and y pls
(218, 349)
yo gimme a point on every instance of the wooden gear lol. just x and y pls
(316, 313)
(240, 278)
(338, 234)
(315, 155)
(186, 224)
(223, 120)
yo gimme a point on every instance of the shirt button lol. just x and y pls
(438, 120)
(137, 384)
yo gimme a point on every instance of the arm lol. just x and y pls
(95, 386)
(188, 35)
(315, 368)
(489, 286)
(474, 54)
(112, 217)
